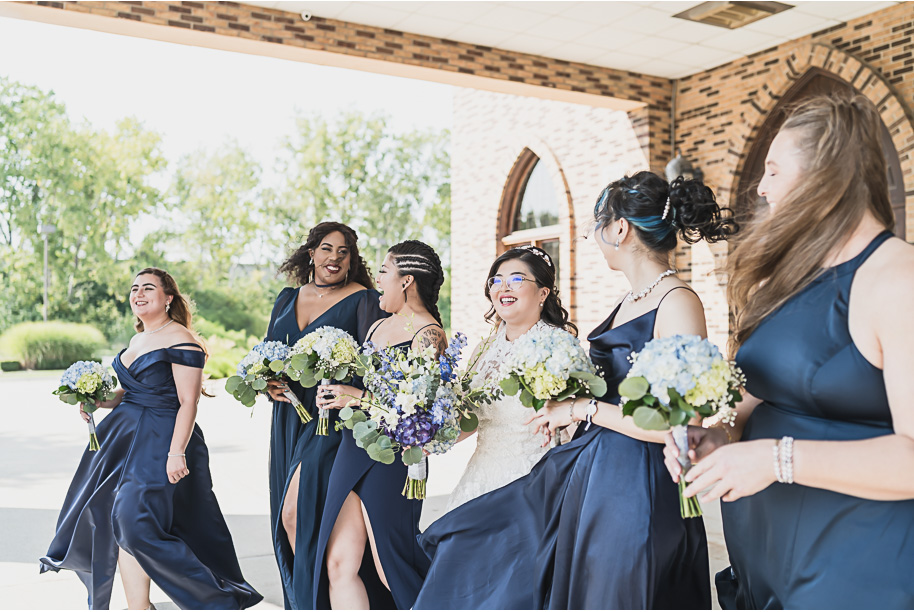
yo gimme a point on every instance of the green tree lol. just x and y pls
(388, 186)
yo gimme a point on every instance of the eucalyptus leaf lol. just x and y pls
(629, 407)
(277, 365)
(412, 455)
(650, 419)
(307, 380)
(384, 442)
(469, 423)
(597, 387)
(678, 417)
(346, 413)
(298, 362)
(526, 398)
(342, 373)
(510, 385)
(387, 456)
(359, 417)
(634, 388)
(259, 384)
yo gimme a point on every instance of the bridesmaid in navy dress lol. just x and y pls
(820, 492)
(596, 524)
(336, 290)
(367, 552)
(145, 499)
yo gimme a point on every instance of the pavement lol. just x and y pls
(42, 439)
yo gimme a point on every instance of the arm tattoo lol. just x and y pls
(433, 336)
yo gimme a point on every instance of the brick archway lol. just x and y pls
(894, 113)
(535, 150)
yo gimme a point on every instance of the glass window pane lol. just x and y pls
(539, 206)
(552, 247)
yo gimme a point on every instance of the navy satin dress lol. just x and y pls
(121, 497)
(293, 443)
(595, 525)
(394, 521)
(793, 546)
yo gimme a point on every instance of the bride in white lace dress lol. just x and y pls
(522, 293)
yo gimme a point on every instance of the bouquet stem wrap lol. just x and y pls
(303, 413)
(323, 422)
(93, 437)
(417, 473)
(688, 506)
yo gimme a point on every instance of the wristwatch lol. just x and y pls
(589, 412)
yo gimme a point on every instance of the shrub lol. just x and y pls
(226, 348)
(52, 345)
(10, 366)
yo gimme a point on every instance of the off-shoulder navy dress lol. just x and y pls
(394, 523)
(595, 525)
(793, 546)
(121, 497)
(293, 443)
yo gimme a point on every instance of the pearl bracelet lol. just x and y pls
(176, 454)
(783, 460)
(571, 409)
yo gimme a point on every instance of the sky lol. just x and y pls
(196, 97)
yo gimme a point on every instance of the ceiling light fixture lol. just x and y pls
(732, 15)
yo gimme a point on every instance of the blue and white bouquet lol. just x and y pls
(415, 402)
(549, 363)
(88, 382)
(674, 380)
(265, 362)
(324, 354)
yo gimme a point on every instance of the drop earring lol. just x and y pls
(167, 306)
(616, 245)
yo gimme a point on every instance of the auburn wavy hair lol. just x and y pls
(843, 177)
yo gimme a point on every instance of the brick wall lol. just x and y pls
(583, 148)
(720, 111)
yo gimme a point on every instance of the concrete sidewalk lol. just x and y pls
(42, 439)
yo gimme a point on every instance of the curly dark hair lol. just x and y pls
(300, 268)
(642, 199)
(422, 262)
(543, 272)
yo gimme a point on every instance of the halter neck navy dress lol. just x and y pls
(793, 546)
(121, 497)
(293, 443)
(595, 525)
(394, 523)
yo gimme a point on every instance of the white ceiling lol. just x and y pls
(638, 36)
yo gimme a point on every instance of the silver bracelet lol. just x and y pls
(776, 451)
(571, 410)
(176, 454)
(787, 459)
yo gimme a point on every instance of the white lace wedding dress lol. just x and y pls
(506, 449)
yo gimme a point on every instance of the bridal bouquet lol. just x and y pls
(324, 354)
(415, 402)
(87, 382)
(265, 362)
(674, 380)
(549, 363)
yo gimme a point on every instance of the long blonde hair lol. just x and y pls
(844, 175)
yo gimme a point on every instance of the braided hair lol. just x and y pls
(422, 262)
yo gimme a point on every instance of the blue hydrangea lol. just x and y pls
(72, 374)
(263, 352)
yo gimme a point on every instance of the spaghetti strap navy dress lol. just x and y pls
(394, 522)
(293, 443)
(595, 525)
(121, 497)
(793, 546)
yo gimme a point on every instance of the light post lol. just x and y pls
(46, 229)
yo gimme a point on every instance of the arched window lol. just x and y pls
(530, 208)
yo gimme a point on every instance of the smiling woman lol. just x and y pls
(144, 501)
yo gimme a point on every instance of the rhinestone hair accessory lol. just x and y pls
(537, 251)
